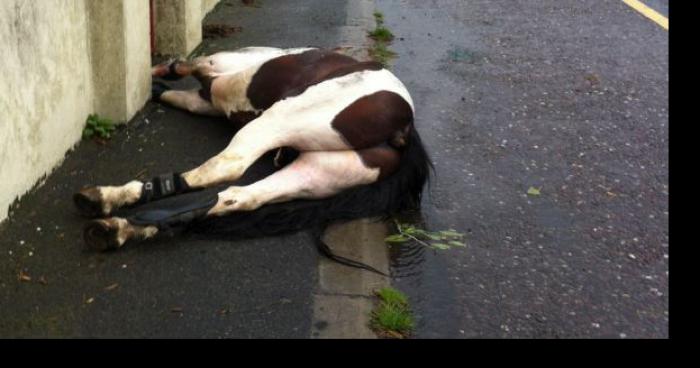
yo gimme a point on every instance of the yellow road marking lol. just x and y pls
(648, 12)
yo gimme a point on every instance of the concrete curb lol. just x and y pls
(353, 36)
(344, 296)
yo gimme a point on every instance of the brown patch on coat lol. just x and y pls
(336, 73)
(374, 119)
(383, 157)
(399, 139)
(291, 75)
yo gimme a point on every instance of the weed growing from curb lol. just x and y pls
(392, 318)
(382, 36)
(381, 54)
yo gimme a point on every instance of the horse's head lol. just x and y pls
(232, 62)
(211, 66)
(202, 67)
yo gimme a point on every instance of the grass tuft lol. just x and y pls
(382, 54)
(382, 36)
(392, 296)
(379, 17)
(392, 318)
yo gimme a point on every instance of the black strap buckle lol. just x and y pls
(161, 186)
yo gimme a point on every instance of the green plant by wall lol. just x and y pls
(97, 126)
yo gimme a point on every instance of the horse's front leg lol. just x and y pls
(190, 100)
(245, 148)
(100, 201)
(312, 175)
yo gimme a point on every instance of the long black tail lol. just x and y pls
(398, 192)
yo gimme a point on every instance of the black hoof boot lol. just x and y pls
(157, 89)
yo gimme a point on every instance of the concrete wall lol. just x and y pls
(65, 59)
(207, 6)
(138, 55)
(179, 25)
(46, 89)
(119, 35)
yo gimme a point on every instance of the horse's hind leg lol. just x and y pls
(313, 175)
(99, 201)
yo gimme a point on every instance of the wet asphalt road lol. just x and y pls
(570, 97)
(566, 96)
(179, 286)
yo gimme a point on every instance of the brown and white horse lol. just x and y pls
(351, 123)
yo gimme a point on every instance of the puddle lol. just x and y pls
(406, 260)
(458, 54)
(421, 274)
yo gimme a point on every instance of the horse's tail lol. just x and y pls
(400, 191)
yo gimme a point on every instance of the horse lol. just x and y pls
(347, 125)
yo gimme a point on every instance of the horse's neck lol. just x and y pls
(249, 58)
(237, 70)
(229, 92)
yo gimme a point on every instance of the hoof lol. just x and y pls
(88, 202)
(157, 89)
(100, 236)
(162, 69)
(167, 70)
